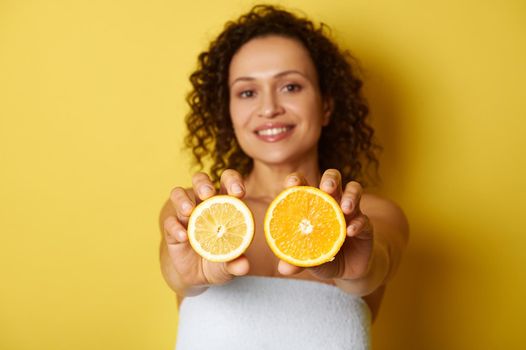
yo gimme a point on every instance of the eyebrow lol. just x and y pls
(279, 75)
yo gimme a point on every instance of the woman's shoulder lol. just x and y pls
(379, 207)
(370, 199)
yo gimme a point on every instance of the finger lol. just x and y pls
(360, 227)
(239, 266)
(219, 273)
(330, 269)
(182, 204)
(287, 269)
(295, 179)
(331, 182)
(351, 197)
(203, 186)
(174, 231)
(232, 183)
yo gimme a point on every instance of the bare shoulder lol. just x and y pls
(373, 204)
(379, 208)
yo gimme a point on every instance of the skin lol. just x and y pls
(273, 82)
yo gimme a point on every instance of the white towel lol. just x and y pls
(273, 313)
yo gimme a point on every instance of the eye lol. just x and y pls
(246, 93)
(292, 87)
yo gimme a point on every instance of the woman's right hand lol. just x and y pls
(193, 270)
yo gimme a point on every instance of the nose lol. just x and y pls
(270, 106)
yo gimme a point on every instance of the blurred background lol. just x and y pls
(91, 123)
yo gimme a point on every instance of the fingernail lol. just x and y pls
(180, 235)
(187, 207)
(206, 191)
(291, 181)
(237, 189)
(346, 204)
(351, 230)
(329, 184)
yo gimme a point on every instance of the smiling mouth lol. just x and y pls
(274, 131)
(274, 134)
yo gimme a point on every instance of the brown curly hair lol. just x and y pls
(346, 143)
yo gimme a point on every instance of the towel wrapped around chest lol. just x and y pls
(254, 312)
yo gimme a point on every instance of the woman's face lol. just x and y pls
(275, 103)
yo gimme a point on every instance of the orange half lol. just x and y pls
(305, 226)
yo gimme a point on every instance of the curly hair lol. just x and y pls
(346, 143)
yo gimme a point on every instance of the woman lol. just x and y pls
(276, 104)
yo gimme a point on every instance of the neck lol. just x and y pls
(266, 181)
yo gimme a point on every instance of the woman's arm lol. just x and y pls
(185, 272)
(389, 232)
(170, 274)
(377, 231)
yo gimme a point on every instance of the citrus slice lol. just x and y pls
(221, 228)
(304, 226)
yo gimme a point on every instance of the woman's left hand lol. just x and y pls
(353, 261)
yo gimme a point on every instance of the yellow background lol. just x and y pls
(91, 122)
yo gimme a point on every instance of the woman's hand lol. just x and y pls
(192, 270)
(353, 261)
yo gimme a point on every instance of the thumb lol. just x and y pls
(238, 267)
(220, 273)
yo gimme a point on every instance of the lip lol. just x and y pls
(277, 137)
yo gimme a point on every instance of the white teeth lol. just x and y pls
(272, 132)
